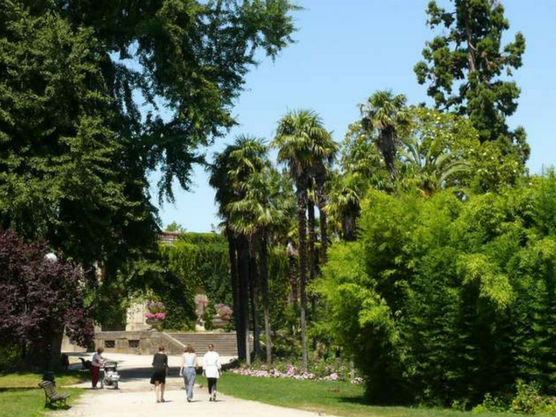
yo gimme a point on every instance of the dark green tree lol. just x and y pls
(385, 117)
(82, 86)
(468, 69)
(303, 143)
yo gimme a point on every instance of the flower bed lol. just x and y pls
(291, 372)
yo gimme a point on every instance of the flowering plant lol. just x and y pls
(156, 311)
(155, 316)
(224, 311)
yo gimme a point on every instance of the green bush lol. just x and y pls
(442, 299)
(527, 400)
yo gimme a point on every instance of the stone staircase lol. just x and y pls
(224, 343)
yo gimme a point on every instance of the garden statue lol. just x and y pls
(201, 303)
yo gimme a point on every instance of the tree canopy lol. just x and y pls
(443, 299)
(40, 298)
(469, 70)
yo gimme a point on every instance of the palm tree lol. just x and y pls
(248, 158)
(388, 115)
(344, 205)
(229, 171)
(221, 182)
(300, 140)
(431, 166)
(262, 212)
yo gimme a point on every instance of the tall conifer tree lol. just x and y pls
(468, 70)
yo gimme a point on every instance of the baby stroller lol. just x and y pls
(110, 376)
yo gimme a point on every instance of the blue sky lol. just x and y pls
(348, 49)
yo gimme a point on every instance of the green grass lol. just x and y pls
(20, 397)
(336, 398)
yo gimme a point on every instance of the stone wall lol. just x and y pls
(137, 342)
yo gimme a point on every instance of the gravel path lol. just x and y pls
(136, 397)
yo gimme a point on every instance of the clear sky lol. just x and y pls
(344, 51)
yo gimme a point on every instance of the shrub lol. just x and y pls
(443, 298)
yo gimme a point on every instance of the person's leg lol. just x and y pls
(185, 379)
(94, 375)
(214, 389)
(210, 384)
(156, 390)
(190, 372)
(162, 387)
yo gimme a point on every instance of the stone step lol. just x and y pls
(225, 343)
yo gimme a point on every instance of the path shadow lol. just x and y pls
(353, 400)
(4, 389)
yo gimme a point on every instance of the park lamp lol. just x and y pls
(49, 373)
(51, 257)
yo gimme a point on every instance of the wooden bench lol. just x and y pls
(51, 396)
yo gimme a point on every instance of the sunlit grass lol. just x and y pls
(333, 398)
(20, 396)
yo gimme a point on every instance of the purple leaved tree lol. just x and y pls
(38, 300)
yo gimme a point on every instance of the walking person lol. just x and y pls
(188, 370)
(212, 370)
(96, 364)
(158, 379)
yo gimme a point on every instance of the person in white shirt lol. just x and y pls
(188, 370)
(96, 364)
(211, 370)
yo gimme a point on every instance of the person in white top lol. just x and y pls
(96, 364)
(212, 370)
(188, 370)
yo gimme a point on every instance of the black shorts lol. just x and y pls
(159, 376)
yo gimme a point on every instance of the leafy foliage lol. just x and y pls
(39, 297)
(195, 260)
(468, 69)
(444, 299)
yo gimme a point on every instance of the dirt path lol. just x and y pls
(136, 398)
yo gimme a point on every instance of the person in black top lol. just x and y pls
(160, 364)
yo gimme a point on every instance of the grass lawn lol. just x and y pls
(336, 398)
(20, 397)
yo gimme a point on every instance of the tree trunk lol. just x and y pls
(312, 252)
(471, 50)
(321, 201)
(232, 252)
(349, 224)
(243, 260)
(302, 221)
(312, 239)
(254, 293)
(292, 272)
(388, 149)
(266, 297)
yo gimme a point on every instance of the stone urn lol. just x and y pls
(219, 323)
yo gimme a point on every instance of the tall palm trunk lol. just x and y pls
(349, 223)
(243, 261)
(238, 320)
(292, 273)
(312, 240)
(387, 147)
(302, 221)
(321, 202)
(312, 252)
(266, 298)
(254, 293)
